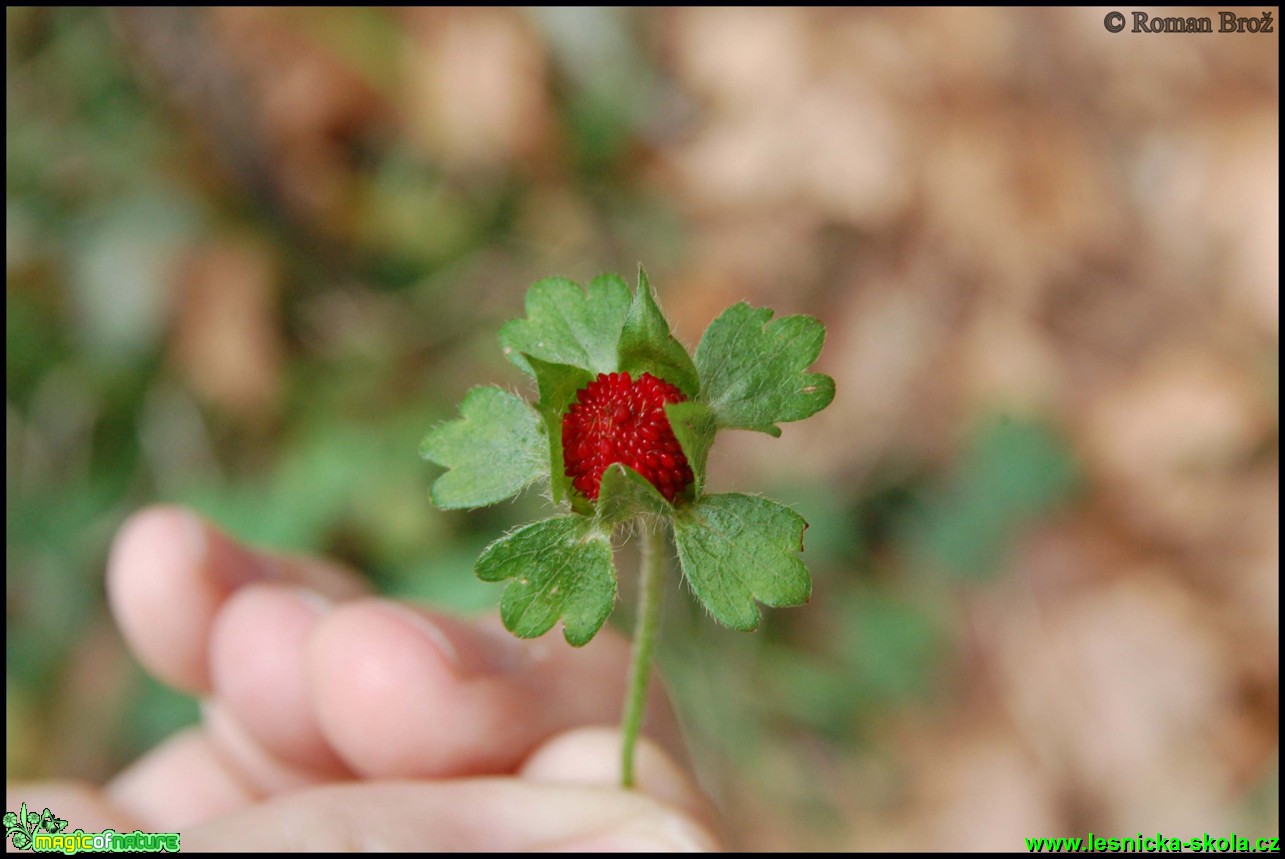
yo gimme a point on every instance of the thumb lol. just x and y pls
(591, 756)
(484, 814)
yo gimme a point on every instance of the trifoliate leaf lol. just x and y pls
(754, 373)
(735, 549)
(563, 325)
(694, 426)
(560, 568)
(558, 385)
(492, 452)
(624, 494)
(646, 346)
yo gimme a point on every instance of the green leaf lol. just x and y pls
(646, 346)
(735, 549)
(1013, 473)
(694, 426)
(560, 568)
(494, 451)
(754, 372)
(624, 494)
(563, 325)
(559, 384)
(50, 823)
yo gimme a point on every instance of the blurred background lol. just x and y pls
(253, 255)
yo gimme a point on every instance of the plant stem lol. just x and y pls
(651, 577)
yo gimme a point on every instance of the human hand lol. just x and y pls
(332, 720)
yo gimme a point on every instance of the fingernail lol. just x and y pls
(436, 637)
(653, 835)
(469, 649)
(319, 603)
(497, 652)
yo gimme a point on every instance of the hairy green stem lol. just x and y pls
(651, 577)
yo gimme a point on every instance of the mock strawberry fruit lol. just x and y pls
(617, 419)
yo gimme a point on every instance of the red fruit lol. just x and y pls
(616, 419)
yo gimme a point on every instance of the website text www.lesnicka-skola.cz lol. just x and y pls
(1158, 843)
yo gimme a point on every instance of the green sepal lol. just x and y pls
(564, 325)
(559, 568)
(625, 494)
(558, 384)
(754, 372)
(694, 426)
(735, 549)
(646, 346)
(492, 452)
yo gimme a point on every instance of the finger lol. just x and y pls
(202, 773)
(401, 692)
(492, 814)
(169, 574)
(259, 673)
(79, 803)
(592, 756)
(262, 771)
(182, 782)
